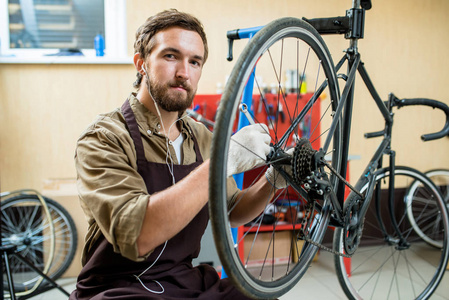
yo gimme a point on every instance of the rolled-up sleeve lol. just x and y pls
(112, 193)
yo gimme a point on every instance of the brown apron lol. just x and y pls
(108, 275)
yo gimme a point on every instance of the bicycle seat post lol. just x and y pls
(357, 16)
(355, 3)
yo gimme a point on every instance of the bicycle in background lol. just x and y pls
(42, 232)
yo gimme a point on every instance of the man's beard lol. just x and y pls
(171, 102)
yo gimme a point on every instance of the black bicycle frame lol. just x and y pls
(368, 176)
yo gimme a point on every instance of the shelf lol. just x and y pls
(267, 228)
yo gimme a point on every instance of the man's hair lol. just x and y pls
(145, 42)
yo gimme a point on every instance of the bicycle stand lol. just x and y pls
(11, 250)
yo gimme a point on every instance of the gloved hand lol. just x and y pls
(275, 178)
(248, 149)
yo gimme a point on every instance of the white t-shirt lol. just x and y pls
(177, 144)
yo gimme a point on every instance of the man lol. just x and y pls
(143, 177)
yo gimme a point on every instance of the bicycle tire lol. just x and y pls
(260, 51)
(31, 236)
(382, 267)
(440, 177)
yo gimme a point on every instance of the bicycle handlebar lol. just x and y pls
(237, 34)
(432, 103)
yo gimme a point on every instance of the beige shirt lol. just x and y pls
(112, 193)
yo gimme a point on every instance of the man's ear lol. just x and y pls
(138, 62)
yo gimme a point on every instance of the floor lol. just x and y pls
(320, 282)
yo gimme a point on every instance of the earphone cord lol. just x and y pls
(170, 168)
(154, 262)
(169, 165)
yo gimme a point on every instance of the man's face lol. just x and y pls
(174, 68)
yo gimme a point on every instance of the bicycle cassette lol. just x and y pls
(302, 163)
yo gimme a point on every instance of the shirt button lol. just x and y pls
(158, 126)
(149, 132)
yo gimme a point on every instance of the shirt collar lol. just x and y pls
(149, 121)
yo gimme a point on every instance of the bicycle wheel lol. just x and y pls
(292, 117)
(441, 179)
(384, 266)
(427, 231)
(25, 225)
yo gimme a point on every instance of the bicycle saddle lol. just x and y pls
(366, 4)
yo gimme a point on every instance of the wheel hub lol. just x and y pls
(27, 241)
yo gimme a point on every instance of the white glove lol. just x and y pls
(248, 149)
(275, 178)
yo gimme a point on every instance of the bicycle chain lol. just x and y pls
(342, 179)
(305, 237)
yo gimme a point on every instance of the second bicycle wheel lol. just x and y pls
(441, 179)
(264, 261)
(397, 263)
(26, 226)
(428, 231)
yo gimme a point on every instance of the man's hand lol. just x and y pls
(275, 178)
(248, 149)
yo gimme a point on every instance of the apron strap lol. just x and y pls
(135, 135)
(199, 157)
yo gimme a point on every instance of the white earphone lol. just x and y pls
(170, 168)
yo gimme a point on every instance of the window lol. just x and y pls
(46, 27)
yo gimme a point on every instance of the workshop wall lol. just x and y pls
(44, 108)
